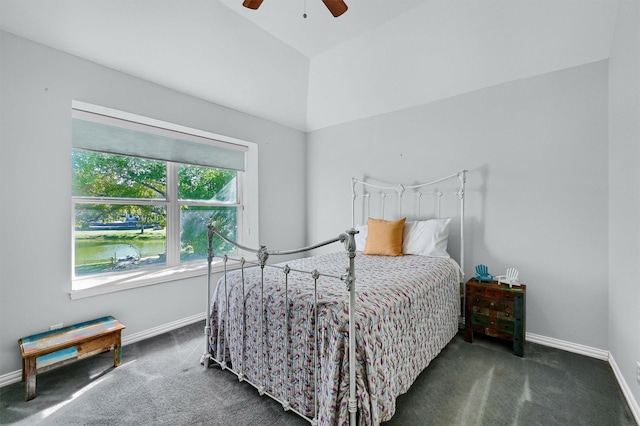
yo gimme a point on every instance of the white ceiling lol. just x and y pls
(307, 74)
(320, 31)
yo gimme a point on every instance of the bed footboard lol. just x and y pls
(263, 289)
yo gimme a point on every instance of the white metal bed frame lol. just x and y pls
(349, 278)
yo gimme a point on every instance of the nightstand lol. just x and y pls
(495, 310)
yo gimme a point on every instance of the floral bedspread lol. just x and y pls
(407, 311)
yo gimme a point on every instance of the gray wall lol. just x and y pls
(37, 86)
(536, 150)
(624, 193)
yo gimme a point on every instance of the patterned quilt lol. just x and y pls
(407, 311)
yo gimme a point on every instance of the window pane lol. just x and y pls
(207, 184)
(110, 237)
(96, 174)
(194, 241)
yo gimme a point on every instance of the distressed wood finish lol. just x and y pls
(496, 310)
(51, 349)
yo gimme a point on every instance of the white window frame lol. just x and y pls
(248, 233)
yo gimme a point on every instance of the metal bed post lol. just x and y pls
(463, 179)
(315, 275)
(286, 405)
(223, 364)
(206, 358)
(262, 257)
(400, 192)
(244, 321)
(350, 280)
(353, 201)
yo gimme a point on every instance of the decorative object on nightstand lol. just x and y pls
(511, 277)
(497, 310)
(482, 274)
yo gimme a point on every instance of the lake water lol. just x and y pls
(91, 252)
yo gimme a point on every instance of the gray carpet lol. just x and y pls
(161, 381)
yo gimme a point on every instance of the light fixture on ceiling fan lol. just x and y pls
(336, 7)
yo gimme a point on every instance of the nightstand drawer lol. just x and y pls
(491, 293)
(492, 304)
(493, 323)
(505, 315)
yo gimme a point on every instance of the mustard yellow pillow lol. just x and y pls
(384, 237)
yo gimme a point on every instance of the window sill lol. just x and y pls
(94, 286)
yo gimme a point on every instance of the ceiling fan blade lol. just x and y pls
(252, 4)
(336, 7)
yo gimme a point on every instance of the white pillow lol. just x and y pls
(426, 238)
(361, 237)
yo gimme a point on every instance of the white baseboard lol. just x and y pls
(568, 346)
(626, 390)
(9, 378)
(16, 376)
(593, 353)
(155, 331)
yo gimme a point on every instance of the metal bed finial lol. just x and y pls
(263, 256)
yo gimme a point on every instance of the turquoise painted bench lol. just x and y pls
(51, 349)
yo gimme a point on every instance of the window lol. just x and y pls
(143, 193)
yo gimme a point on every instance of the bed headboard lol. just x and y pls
(418, 201)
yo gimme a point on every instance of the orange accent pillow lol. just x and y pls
(384, 237)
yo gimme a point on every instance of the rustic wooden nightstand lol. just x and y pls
(495, 310)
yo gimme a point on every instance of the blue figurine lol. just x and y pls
(482, 274)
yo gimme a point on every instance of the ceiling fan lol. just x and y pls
(336, 7)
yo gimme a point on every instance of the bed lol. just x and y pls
(337, 337)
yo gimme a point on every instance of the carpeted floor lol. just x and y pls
(161, 382)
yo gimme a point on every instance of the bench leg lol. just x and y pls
(29, 374)
(117, 350)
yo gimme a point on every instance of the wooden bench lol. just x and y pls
(44, 351)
